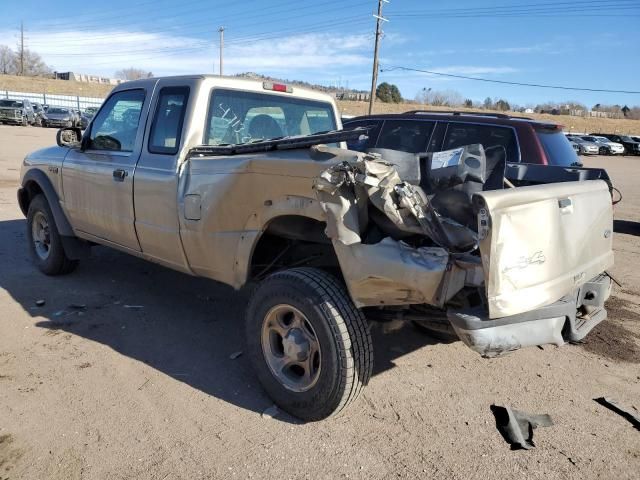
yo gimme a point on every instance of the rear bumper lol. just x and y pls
(568, 320)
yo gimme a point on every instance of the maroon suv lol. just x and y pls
(525, 140)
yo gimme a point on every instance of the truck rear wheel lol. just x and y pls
(45, 243)
(310, 346)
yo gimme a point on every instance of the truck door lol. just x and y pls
(97, 180)
(156, 179)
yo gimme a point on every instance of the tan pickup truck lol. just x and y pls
(243, 181)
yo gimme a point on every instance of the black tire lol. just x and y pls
(56, 261)
(25, 121)
(342, 333)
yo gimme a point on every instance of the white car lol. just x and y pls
(586, 147)
(607, 147)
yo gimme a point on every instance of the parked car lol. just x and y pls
(631, 146)
(89, 112)
(39, 113)
(523, 140)
(586, 147)
(59, 117)
(17, 112)
(607, 147)
(251, 189)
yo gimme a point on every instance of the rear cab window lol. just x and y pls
(237, 117)
(557, 148)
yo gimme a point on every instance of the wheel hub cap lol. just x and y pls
(291, 348)
(41, 235)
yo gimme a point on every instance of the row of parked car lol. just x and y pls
(25, 112)
(605, 144)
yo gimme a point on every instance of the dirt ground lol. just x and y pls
(110, 391)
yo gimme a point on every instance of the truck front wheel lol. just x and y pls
(45, 243)
(310, 346)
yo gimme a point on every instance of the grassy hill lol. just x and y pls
(574, 124)
(56, 87)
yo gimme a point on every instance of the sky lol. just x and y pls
(592, 44)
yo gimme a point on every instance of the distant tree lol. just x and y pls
(440, 98)
(488, 103)
(32, 64)
(133, 73)
(596, 107)
(468, 103)
(502, 105)
(388, 93)
(6, 60)
(625, 110)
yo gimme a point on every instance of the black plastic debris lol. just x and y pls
(614, 406)
(517, 427)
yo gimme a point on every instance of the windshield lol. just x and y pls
(11, 103)
(591, 139)
(558, 149)
(58, 110)
(239, 117)
(627, 139)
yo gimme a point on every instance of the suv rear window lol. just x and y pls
(405, 135)
(557, 148)
(490, 136)
(239, 117)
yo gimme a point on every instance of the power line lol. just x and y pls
(524, 8)
(504, 82)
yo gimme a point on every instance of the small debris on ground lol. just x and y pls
(134, 307)
(271, 412)
(517, 427)
(77, 306)
(235, 355)
(40, 303)
(627, 413)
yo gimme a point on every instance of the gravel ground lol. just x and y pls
(107, 391)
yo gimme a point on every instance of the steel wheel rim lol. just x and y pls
(41, 236)
(291, 348)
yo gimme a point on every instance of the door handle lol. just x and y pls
(119, 175)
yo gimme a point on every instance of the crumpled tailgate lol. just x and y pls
(539, 243)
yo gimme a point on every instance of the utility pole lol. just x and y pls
(221, 30)
(21, 48)
(374, 76)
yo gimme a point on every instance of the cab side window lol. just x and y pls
(116, 125)
(409, 136)
(168, 119)
(500, 140)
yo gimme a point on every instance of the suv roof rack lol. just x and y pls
(476, 114)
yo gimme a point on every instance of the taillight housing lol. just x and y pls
(277, 87)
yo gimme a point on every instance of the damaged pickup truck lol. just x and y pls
(248, 182)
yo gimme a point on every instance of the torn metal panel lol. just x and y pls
(393, 273)
(390, 272)
(540, 243)
(517, 427)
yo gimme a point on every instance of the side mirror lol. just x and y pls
(69, 137)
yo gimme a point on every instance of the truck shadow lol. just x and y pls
(627, 227)
(188, 328)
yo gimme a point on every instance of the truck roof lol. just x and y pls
(210, 81)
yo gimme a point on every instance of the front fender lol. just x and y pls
(35, 181)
